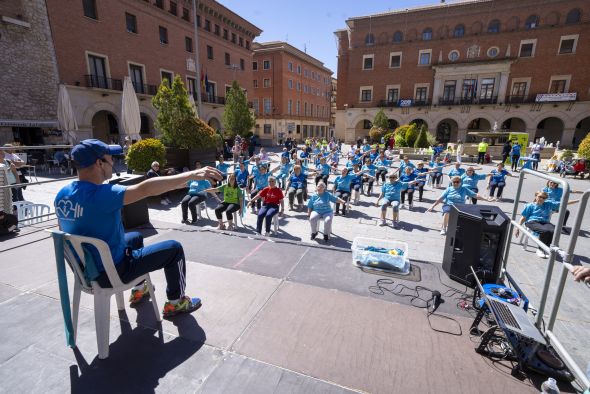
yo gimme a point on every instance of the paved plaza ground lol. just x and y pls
(283, 314)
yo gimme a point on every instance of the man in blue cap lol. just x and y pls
(92, 208)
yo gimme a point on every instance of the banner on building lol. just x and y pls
(552, 97)
(406, 103)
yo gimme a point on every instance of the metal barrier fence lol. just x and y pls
(553, 251)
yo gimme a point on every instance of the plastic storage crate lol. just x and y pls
(372, 259)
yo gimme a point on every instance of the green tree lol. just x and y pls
(144, 152)
(422, 140)
(584, 148)
(400, 135)
(237, 118)
(381, 121)
(176, 119)
(411, 134)
(375, 134)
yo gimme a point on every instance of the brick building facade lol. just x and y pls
(291, 93)
(28, 102)
(98, 43)
(468, 66)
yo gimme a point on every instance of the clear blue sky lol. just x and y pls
(310, 23)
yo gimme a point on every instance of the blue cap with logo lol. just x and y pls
(87, 152)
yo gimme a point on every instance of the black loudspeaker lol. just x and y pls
(136, 214)
(476, 236)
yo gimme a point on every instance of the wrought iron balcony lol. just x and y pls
(387, 103)
(98, 81)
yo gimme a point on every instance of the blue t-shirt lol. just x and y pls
(366, 148)
(382, 164)
(321, 203)
(343, 182)
(195, 187)
(373, 155)
(470, 181)
(515, 150)
(452, 195)
(436, 167)
(369, 169)
(297, 181)
(539, 213)
(499, 176)
(554, 195)
(254, 171)
(242, 176)
(403, 165)
(223, 167)
(90, 210)
(285, 154)
(285, 169)
(324, 169)
(391, 191)
(261, 180)
(457, 172)
(408, 178)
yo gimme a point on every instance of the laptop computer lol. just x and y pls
(509, 316)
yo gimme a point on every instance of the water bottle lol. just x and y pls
(549, 387)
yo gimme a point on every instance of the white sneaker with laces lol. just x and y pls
(267, 234)
(541, 254)
(443, 231)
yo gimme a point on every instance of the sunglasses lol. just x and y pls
(542, 198)
(456, 182)
(271, 181)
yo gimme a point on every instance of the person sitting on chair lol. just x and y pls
(296, 186)
(391, 194)
(232, 201)
(196, 195)
(91, 208)
(155, 172)
(272, 197)
(319, 206)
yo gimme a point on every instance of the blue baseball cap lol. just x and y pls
(87, 152)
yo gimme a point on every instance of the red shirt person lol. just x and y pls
(271, 196)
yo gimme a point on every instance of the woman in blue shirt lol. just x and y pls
(223, 167)
(554, 193)
(242, 175)
(390, 194)
(498, 180)
(382, 165)
(319, 207)
(407, 177)
(369, 170)
(357, 182)
(296, 186)
(260, 182)
(436, 172)
(322, 171)
(537, 215)
(342, 188)
(470, 180)
(454, 194)
(421, 173)
(515, 155)
(284, 171)
(456, 171)
(196, 195)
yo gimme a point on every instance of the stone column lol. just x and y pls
(502, 87)
(462, 134)
(436, 90)
(567, 137)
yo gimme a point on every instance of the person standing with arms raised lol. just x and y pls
(92, 208)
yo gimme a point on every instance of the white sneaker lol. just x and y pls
(267, 234)
(164, 202)
(541, 254)
(443, 232)
(383, 222)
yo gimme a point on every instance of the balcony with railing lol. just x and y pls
(467, 100)
(98, 81)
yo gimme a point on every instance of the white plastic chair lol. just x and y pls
(200, 208)
(22, 209)
(102, 296)
(33, 213)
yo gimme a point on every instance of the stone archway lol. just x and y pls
(516, 125)
(105, 126)
(419, 122)
(582, 129)
(551, 129)
(362, 128)
(214, 122)
(392, 124)
(447, 131)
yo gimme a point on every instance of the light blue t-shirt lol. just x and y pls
(366, 148)
(223, 167)
(261, 180)
(369, 169)
(343, 182)
(403, 165)
(242, 176)
(195, 187)
(408, 178)
(321, 203)
(499, 176)
(515, 150)
(457, 172)
(391, 191)
(324, 169)
(470, 181)
(539, 213)
(90, 210)
(382, 164)
(453, 195)
(297, 181)
(285, 169)
(436, 167)
(553, 194)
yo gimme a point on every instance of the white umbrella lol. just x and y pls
(191, 101)
(65, 115)
(130, 118)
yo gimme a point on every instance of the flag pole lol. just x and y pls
(197, 62)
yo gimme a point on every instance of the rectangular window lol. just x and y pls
(298, 86)
(136, 74)
(209, 52)
(299, 69)
(486, 92)
(198, 20)
(207, 25)
(256, 106)
(567, 46)
(173, 8)
(242, 64)
(392, 95)
(290, 83)
(526, 50)
(305, 108)
(557, 86)
(98, 73)
(266, 83)
(227, 59)
(468, 90)
(217, 30)
(267, 128)
(298, 108)
(255, 83)
(449, 92)
(421, 95)
(290, 66)
(159, 3)
(367, 62)
(289, 106)
(311, 109)
(247, 44)
(519, 89)
(395, 60)
(131, 22)
(254, 66)
(267, 106)
(424, 58)
(163, 35)
(188, 44)
(366, 95)
(233, 38)
(186, 14)
(166, 76)
(90, 9)
(225, 34)
(192, 85)
(241, 41)
(266, 64)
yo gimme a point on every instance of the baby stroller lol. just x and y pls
(577, 167)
